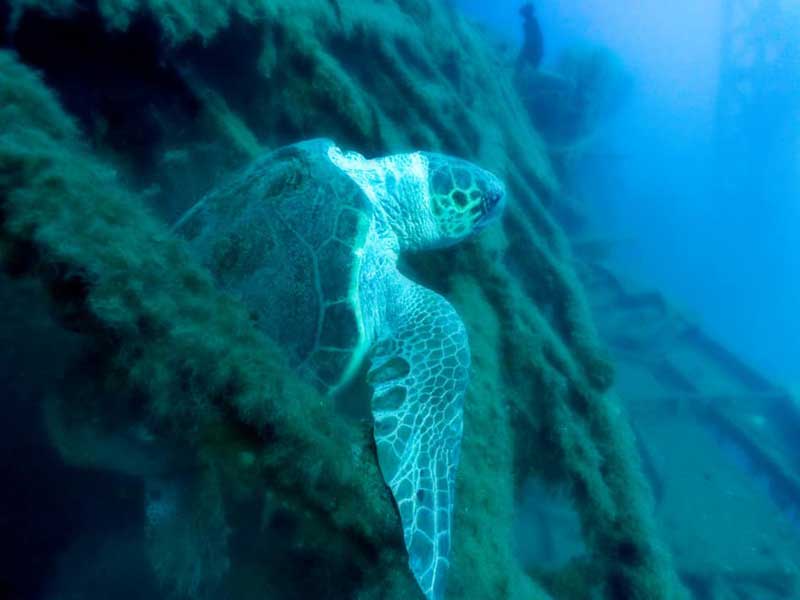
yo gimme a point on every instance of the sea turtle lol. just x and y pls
(309, 237)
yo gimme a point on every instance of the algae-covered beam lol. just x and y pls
(386, 79)
(67, 220)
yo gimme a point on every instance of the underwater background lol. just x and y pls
(631, 424)
(698, 174)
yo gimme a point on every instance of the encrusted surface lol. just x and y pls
(380, 77)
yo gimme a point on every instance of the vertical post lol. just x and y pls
(756, 100)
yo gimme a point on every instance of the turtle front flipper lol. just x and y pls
(420, 370)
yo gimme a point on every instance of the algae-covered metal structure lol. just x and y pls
(117, 116)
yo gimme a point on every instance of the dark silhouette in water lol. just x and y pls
(532, 45)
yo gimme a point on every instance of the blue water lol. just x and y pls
(718, 234)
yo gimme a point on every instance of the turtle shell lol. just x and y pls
(285, 236)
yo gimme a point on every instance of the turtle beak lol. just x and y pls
(494, 200)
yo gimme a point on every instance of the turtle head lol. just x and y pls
(464, 198)
(428, 200)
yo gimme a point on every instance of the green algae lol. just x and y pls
(169, 332)
(379, 77)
